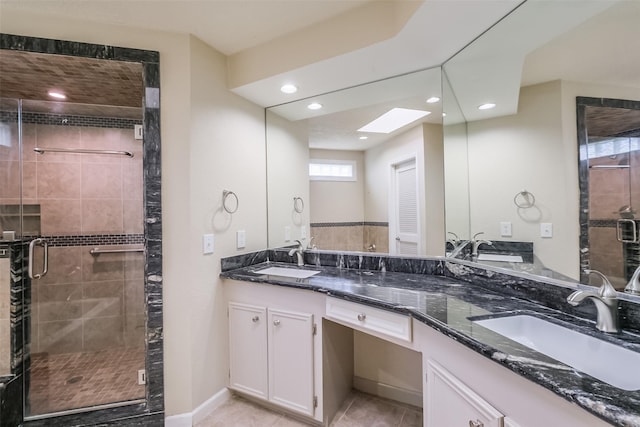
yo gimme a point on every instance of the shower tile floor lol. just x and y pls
(75, 380)
(358, 410)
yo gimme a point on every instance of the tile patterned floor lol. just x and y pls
(75, 380)
(359, 410)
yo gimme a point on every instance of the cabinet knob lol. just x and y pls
(476, 423)
(276, 322)
(255, 319)
(361, 317)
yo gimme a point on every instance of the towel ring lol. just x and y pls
(524, 199)
(225, 196)
(298, 204)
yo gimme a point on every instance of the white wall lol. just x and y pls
(456, 180)
(424, 142)
(525, 151)
(288, 172)
(536, 150)
(211, 139)
(338, 201)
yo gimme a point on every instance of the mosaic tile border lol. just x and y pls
(70, 120)
(95, 240)
(349, 224)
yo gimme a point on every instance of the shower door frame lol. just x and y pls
(582, 102)
(151, 411)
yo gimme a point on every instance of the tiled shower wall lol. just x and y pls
(351, 236)
(85, 302)
(611, 189)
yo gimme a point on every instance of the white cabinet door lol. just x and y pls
(248, 349)
(508, 422)
(451, 403)
(291, 360)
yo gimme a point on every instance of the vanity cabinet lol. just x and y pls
(271, 355)
(451, 403)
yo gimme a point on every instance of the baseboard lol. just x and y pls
(387, 391)
(200, 413)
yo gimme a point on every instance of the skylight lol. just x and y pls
(393, 119)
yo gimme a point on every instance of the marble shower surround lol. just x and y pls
(150, 413)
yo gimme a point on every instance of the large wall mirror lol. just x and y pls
(510, 172)
(363, 171)
(522, 154)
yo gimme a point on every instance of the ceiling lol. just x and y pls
(320, 45)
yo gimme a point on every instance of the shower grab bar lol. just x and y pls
(81, 151)
(609, 167)
(98, 251)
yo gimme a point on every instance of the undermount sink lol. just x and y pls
(499, 257)
(295, 273)
(607, 362)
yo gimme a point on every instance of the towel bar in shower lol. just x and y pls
(81, 151)
(98, 251)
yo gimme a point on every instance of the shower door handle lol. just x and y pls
(45, 266)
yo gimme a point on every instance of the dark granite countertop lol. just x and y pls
(447, 304)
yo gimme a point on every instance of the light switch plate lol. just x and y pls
(287, 233)
(505, 229)
(303, 232)
(546, 229)
(207, 244)
(241, 239)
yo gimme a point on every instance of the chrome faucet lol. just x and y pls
(477, 243)
(606, 301)
(458, 249)
(633, 287)
(455, 240)
(311, 245)
(298, 251)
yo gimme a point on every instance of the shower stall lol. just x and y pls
(71, 217)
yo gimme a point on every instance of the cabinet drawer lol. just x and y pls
(369, 318)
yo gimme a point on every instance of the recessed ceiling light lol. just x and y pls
(289, 88)
(486, 106)
(364, 137)
(433, 100)
(57, 95)
(393, 119)
(314, 106)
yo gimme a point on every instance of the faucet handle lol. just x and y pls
(476, 235)
(606, 289)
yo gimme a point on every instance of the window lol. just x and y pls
(332, 170)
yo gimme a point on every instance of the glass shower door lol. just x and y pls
(82, 206)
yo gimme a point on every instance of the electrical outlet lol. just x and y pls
(505, 229)
(303, 232)
(241, 239)
(287, 233)
(546, 229)
(207, 244)
(142, 377)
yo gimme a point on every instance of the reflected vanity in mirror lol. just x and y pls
(367, 185)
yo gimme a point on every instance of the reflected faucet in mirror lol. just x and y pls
(606, 301)
(633, 287)
(298, 251)
(476, 244)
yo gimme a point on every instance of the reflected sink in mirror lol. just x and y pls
(288, 272)
(499, 258)
(607, 362)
